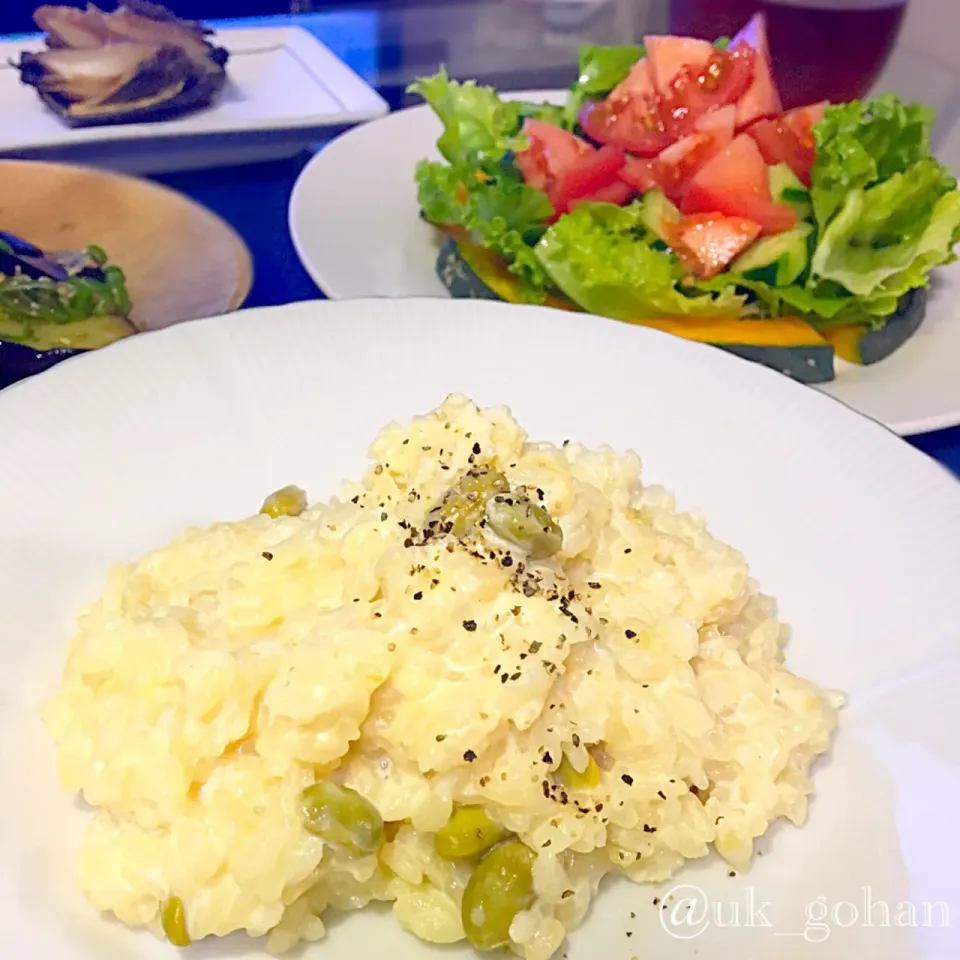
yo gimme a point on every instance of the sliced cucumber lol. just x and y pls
(785, 186)
(658, 213)
(778, 260)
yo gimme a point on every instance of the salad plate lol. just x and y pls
(901, 326)
(862, 571)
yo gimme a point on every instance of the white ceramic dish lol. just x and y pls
(255, 118)
(363, 182)
(854, 531)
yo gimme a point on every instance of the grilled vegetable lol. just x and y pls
(135, 64)
(66, 299)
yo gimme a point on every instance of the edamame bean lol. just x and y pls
(501, 886)
(174, 922)
(465, 506)
(341, 816)
(469, 831)
(517, 519)
(287, 502)
(573, 778)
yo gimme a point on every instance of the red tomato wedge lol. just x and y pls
(669, 57)
(637, 85)
(708, 244)
(761, 98)
(734, 183)
(617, 192)
(722, 121)
(625, 123)
(551, 151)
(789, 139)
(586, 175)
(672, 171)
(695, 92)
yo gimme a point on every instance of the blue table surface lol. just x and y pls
(255, 198)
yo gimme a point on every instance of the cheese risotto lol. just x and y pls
(471, 685)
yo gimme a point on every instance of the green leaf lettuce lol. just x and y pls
(603, 259)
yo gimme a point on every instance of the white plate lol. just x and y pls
(285, 91)
(363, 183)
(855, 532)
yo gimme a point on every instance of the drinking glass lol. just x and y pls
(822, 49)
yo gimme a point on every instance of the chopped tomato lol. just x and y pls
(694, 92)
(665, 95)
(617, 193)
(586, 175)
(625, 123)
(642, 175)
(638, 84)
(672, 171)
(669, 57)
(779, 144)
(761, 99)
(806, 118)
(707, 244)
(789, 139)
(721, 121)
(734, 183)
(551, 151)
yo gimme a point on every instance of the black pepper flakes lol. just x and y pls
(469, 756)
(575, 740)
(504, 678)
(441, 737)
(476, 449)
(418, 595)
(267, 555)
(383, 516)
(507, 561)
(469, 625)
(628, 550)
(593, 585)
(547, 758)
(627, 779)
(648, 829)
(629, 634)
(661, 795)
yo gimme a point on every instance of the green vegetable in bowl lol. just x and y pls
(342, 817)
(286, 502)
(64, 299)
(515, 518)
(174, 922)
(470, 831)
(501, 887)
(465, 506)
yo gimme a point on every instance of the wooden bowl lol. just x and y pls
(181, 261)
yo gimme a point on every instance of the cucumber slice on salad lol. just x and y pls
(785, 186)
(658, 213)
(778, 260)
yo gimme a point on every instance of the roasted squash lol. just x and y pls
(787, 344)
(861, 345)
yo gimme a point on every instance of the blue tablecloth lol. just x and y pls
(254, 199)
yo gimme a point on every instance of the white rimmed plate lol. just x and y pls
(285, 91)
(355, 223)
(854, 531)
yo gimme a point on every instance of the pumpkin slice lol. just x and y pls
(859, 344)
(787, 344)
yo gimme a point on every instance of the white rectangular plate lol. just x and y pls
(285, 91)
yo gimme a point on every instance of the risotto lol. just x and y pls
(471, 685)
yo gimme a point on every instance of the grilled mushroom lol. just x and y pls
(138, 63)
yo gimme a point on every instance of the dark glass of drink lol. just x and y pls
(822, 49)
